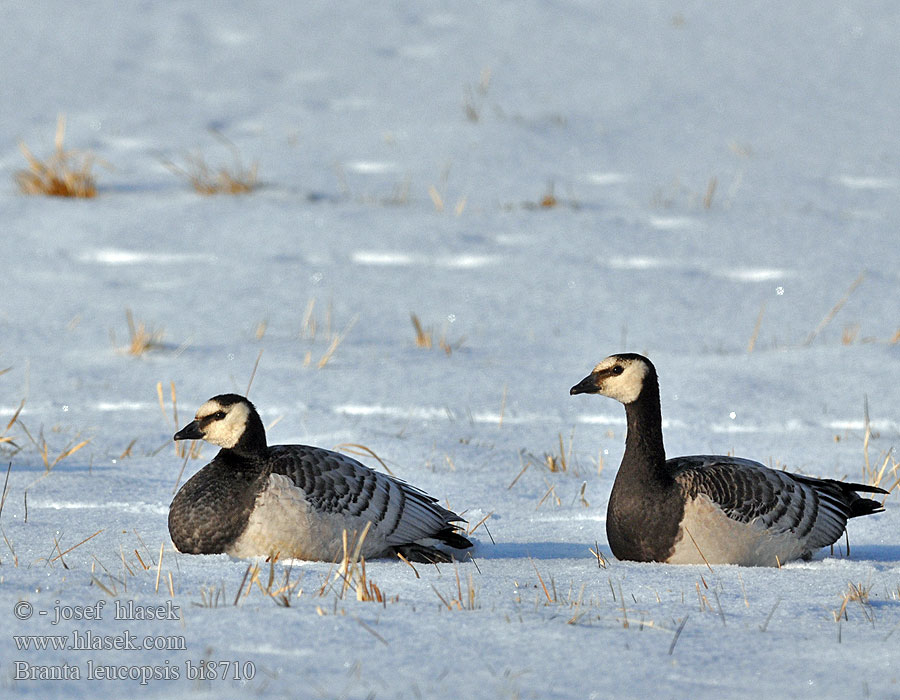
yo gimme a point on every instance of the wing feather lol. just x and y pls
(814, 510)
(339, 485)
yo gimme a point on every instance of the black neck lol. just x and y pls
(644, 449)
(253, 441)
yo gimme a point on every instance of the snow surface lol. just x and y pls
(354, 110)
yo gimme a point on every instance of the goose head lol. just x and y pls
(621, 377)
(229, 421)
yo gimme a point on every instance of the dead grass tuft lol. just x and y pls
(873, 474)
(281, 593)
(336, 340)
(602, 561)
(473, 98)
(855, 593)
(310, 330)
(63, 174)
(835, 309)
(849, 334)
(141, 338)
(561, 462)
(549, 200)
(206, 180)
(144, 563)
(425, 337)
(464, 600)
(352, 571)
(43, 448)
(4, 437)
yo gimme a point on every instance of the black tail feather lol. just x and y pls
(859, 505)
(847, 491)
(421, 554)
(452, 538)
(864, 506)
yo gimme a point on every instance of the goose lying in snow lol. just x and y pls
(296, 501)
(709, 509)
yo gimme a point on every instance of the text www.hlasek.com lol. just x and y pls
(88, 641)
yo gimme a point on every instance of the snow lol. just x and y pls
(715, 166)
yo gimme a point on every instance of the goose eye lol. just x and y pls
(218, 415)
(618, 369)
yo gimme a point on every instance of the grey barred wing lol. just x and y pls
(814, 510)
(336, 484)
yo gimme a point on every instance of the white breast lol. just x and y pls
(705, 528)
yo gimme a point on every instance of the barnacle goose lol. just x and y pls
(296, 501)
(709, 509)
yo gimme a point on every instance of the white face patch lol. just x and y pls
(625, 387)
(224, 432)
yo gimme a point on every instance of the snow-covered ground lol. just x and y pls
(724, 175)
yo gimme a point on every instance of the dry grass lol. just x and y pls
(678, 194)
(74, 546)
(473, 98)
(141, 338)
(855, 593)
(336, 340)
(849, 334)
(551, 491)
(352, 572)
(835, 309)
(425, 337)
(261, 329)
(310, 325)
(602, 561)
(43, 448)
(549, 200)
(4, 437)
(753, 336)
(3, 495)
(281, 592)
(562, 461)
(873, 474)
(310, 330)
(463, 600)
(557, 462)
(437, 199)
(710, 192)
(481, 522)
(358, 450)
(207, 180)
(183, 449)
(438, 194)
(110, 579)
(63, 174)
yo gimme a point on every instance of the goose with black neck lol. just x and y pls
(707, 508)
(296, 501)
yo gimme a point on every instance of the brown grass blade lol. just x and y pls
(354, 448)
(60, 555)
